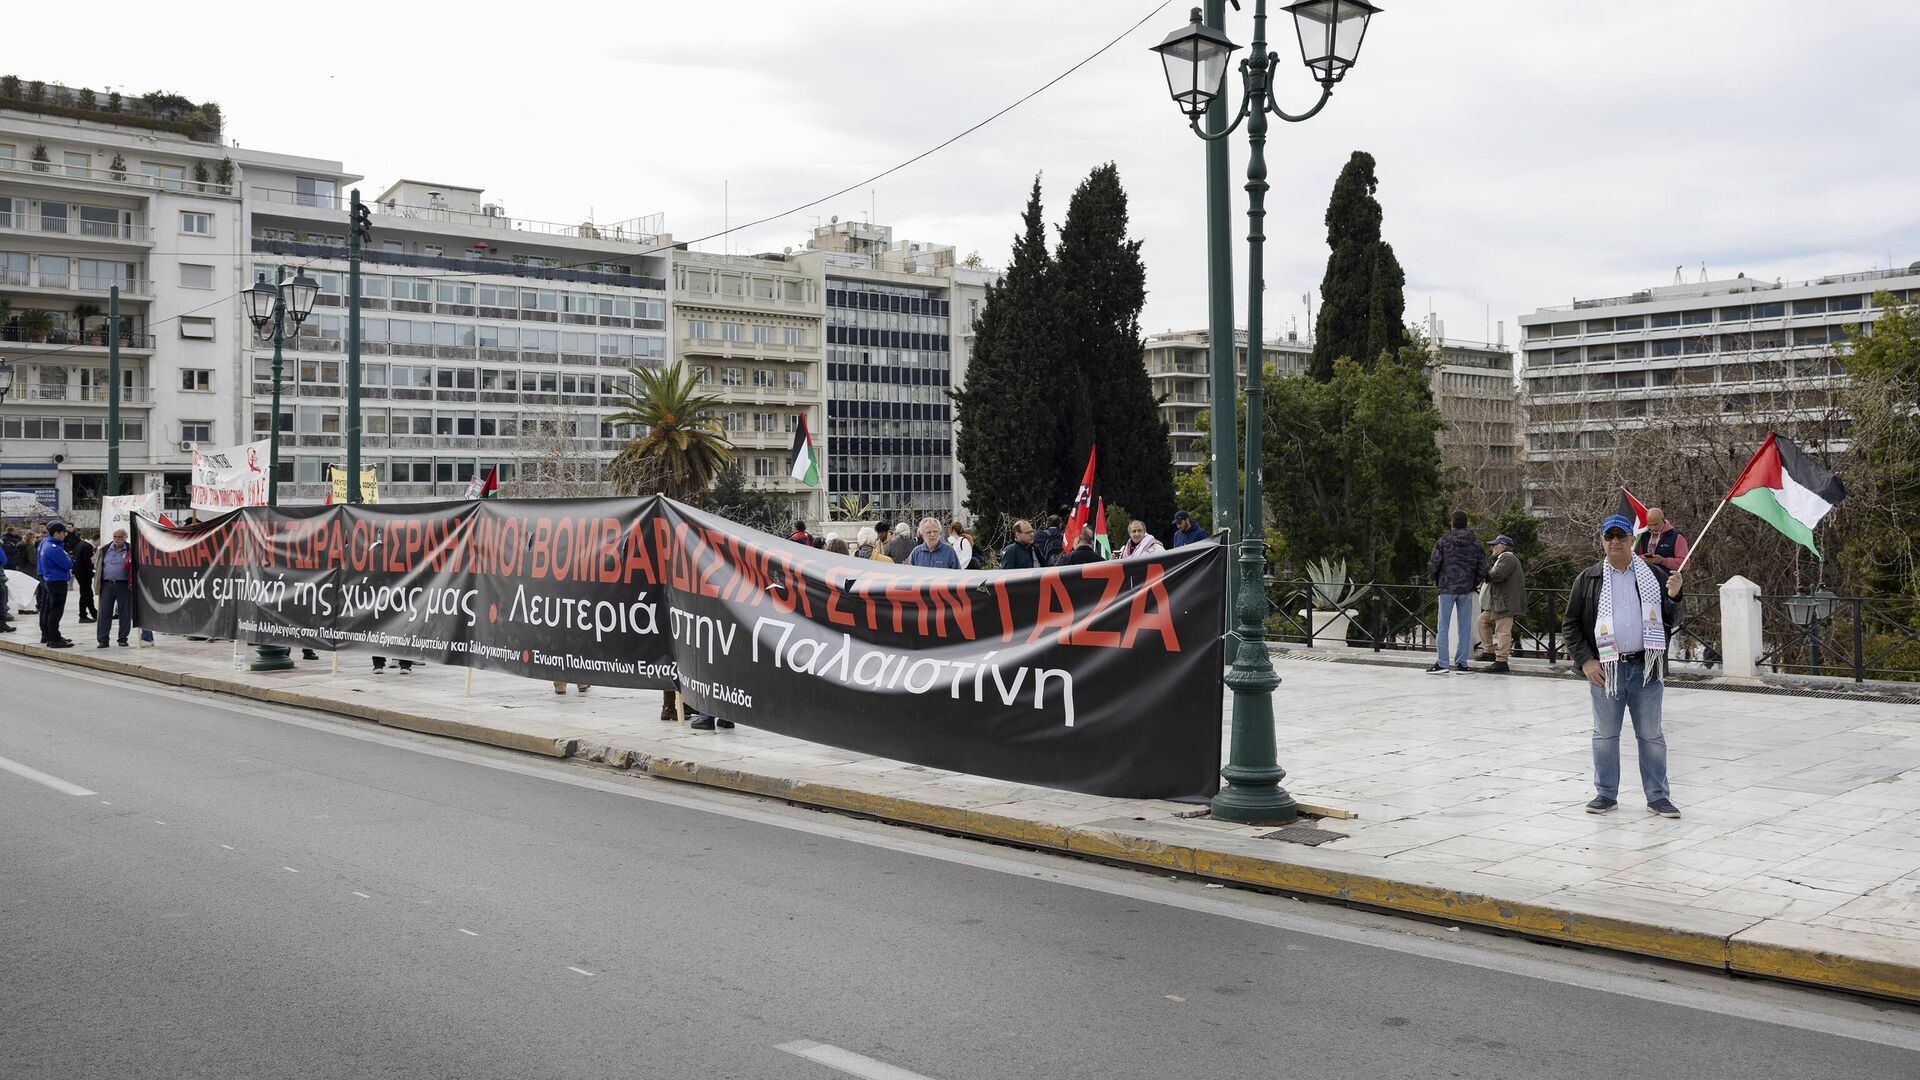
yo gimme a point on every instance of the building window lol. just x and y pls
(762, 334)
(196, 326)
(796, 380)
(1662, 321)
(763, 379)
(702, 376)
(314, 191)
(196, 276)
(195, 223)
(196, 380)
(171, 177)
(733, 376)
(764, 466)
(1697, 317)
(79, 164)
(699, 329)
(793, 335)
(196, 431)
(731, 331)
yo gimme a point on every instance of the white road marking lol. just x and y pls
(26, 772)
(833, 1057)
(578, 971)
(228, 847)
(1658, 984)
(157, 821)
(106, 802)
(470, 933)
(363, 896)
(289, 869)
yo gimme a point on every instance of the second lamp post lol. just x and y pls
(277, 309)
(1195, 58)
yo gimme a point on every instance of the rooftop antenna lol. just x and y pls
(1703, 273)
(726, 217)
(1678, 279)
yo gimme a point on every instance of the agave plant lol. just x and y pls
(1331, 589)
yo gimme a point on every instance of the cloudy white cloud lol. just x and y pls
(1527, 152)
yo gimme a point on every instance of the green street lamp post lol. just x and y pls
(270, 307)
(1195, 58)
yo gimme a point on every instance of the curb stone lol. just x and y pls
(1849, 961)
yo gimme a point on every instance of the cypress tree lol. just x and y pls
(1362, 301)
(1103, 286)
(1009, 413)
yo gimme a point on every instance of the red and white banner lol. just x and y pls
(228, 479)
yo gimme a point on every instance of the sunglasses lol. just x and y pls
(1614, 534)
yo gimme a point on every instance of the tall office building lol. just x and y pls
(751, 329)
(1473, 388)
(486, 340)
(1177, 366)
(1757, 350)
(890, 367)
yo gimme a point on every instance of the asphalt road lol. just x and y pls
(257, 892)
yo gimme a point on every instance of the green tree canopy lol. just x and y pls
(1880, 520)
(1363, 303)
(1352, 471)
(1103, 287)
(1007, 442)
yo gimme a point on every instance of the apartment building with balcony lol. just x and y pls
(752, 330)
(486, 340)
(890, 366)
(92, 199)
(1755, 350)
(1177, 367)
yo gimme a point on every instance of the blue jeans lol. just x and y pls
(1456, 609)
(1643, 700)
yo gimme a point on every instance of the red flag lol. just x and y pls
(1082, 503)
(1100, 539)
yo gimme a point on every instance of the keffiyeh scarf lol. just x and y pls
(1653, 629)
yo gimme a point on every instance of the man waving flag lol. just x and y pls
(1788, 490)
(805, 467)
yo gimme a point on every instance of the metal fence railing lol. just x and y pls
(1404, 618)
(1858, 637)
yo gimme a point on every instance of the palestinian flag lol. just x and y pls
(1788, 490)
(1631, 509)
(806, 464)
(487, 487)
(1100, 539)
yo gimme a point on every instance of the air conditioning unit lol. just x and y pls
(186, 446)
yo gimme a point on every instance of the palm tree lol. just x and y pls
(682, 448)
(683, 445)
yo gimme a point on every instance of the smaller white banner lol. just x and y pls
(227, 479)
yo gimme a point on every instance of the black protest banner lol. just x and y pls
(1103, 678)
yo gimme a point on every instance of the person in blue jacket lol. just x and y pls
(56, 574)
(1186, 530)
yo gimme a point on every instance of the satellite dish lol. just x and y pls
(835, 220)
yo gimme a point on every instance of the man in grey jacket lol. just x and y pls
(1506, 598)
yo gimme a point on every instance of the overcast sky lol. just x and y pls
(1528, 152)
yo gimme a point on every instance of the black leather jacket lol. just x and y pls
(1582, 600)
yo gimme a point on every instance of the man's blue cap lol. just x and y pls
(1503, 538)
(1616, 522)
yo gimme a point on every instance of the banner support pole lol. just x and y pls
(469, 689)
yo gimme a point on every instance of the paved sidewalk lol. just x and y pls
(1798, 856)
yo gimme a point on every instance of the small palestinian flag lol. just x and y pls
(1100, 538)
(1631, 509)
(806, 465)
(1788, 490)
(487, 487)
